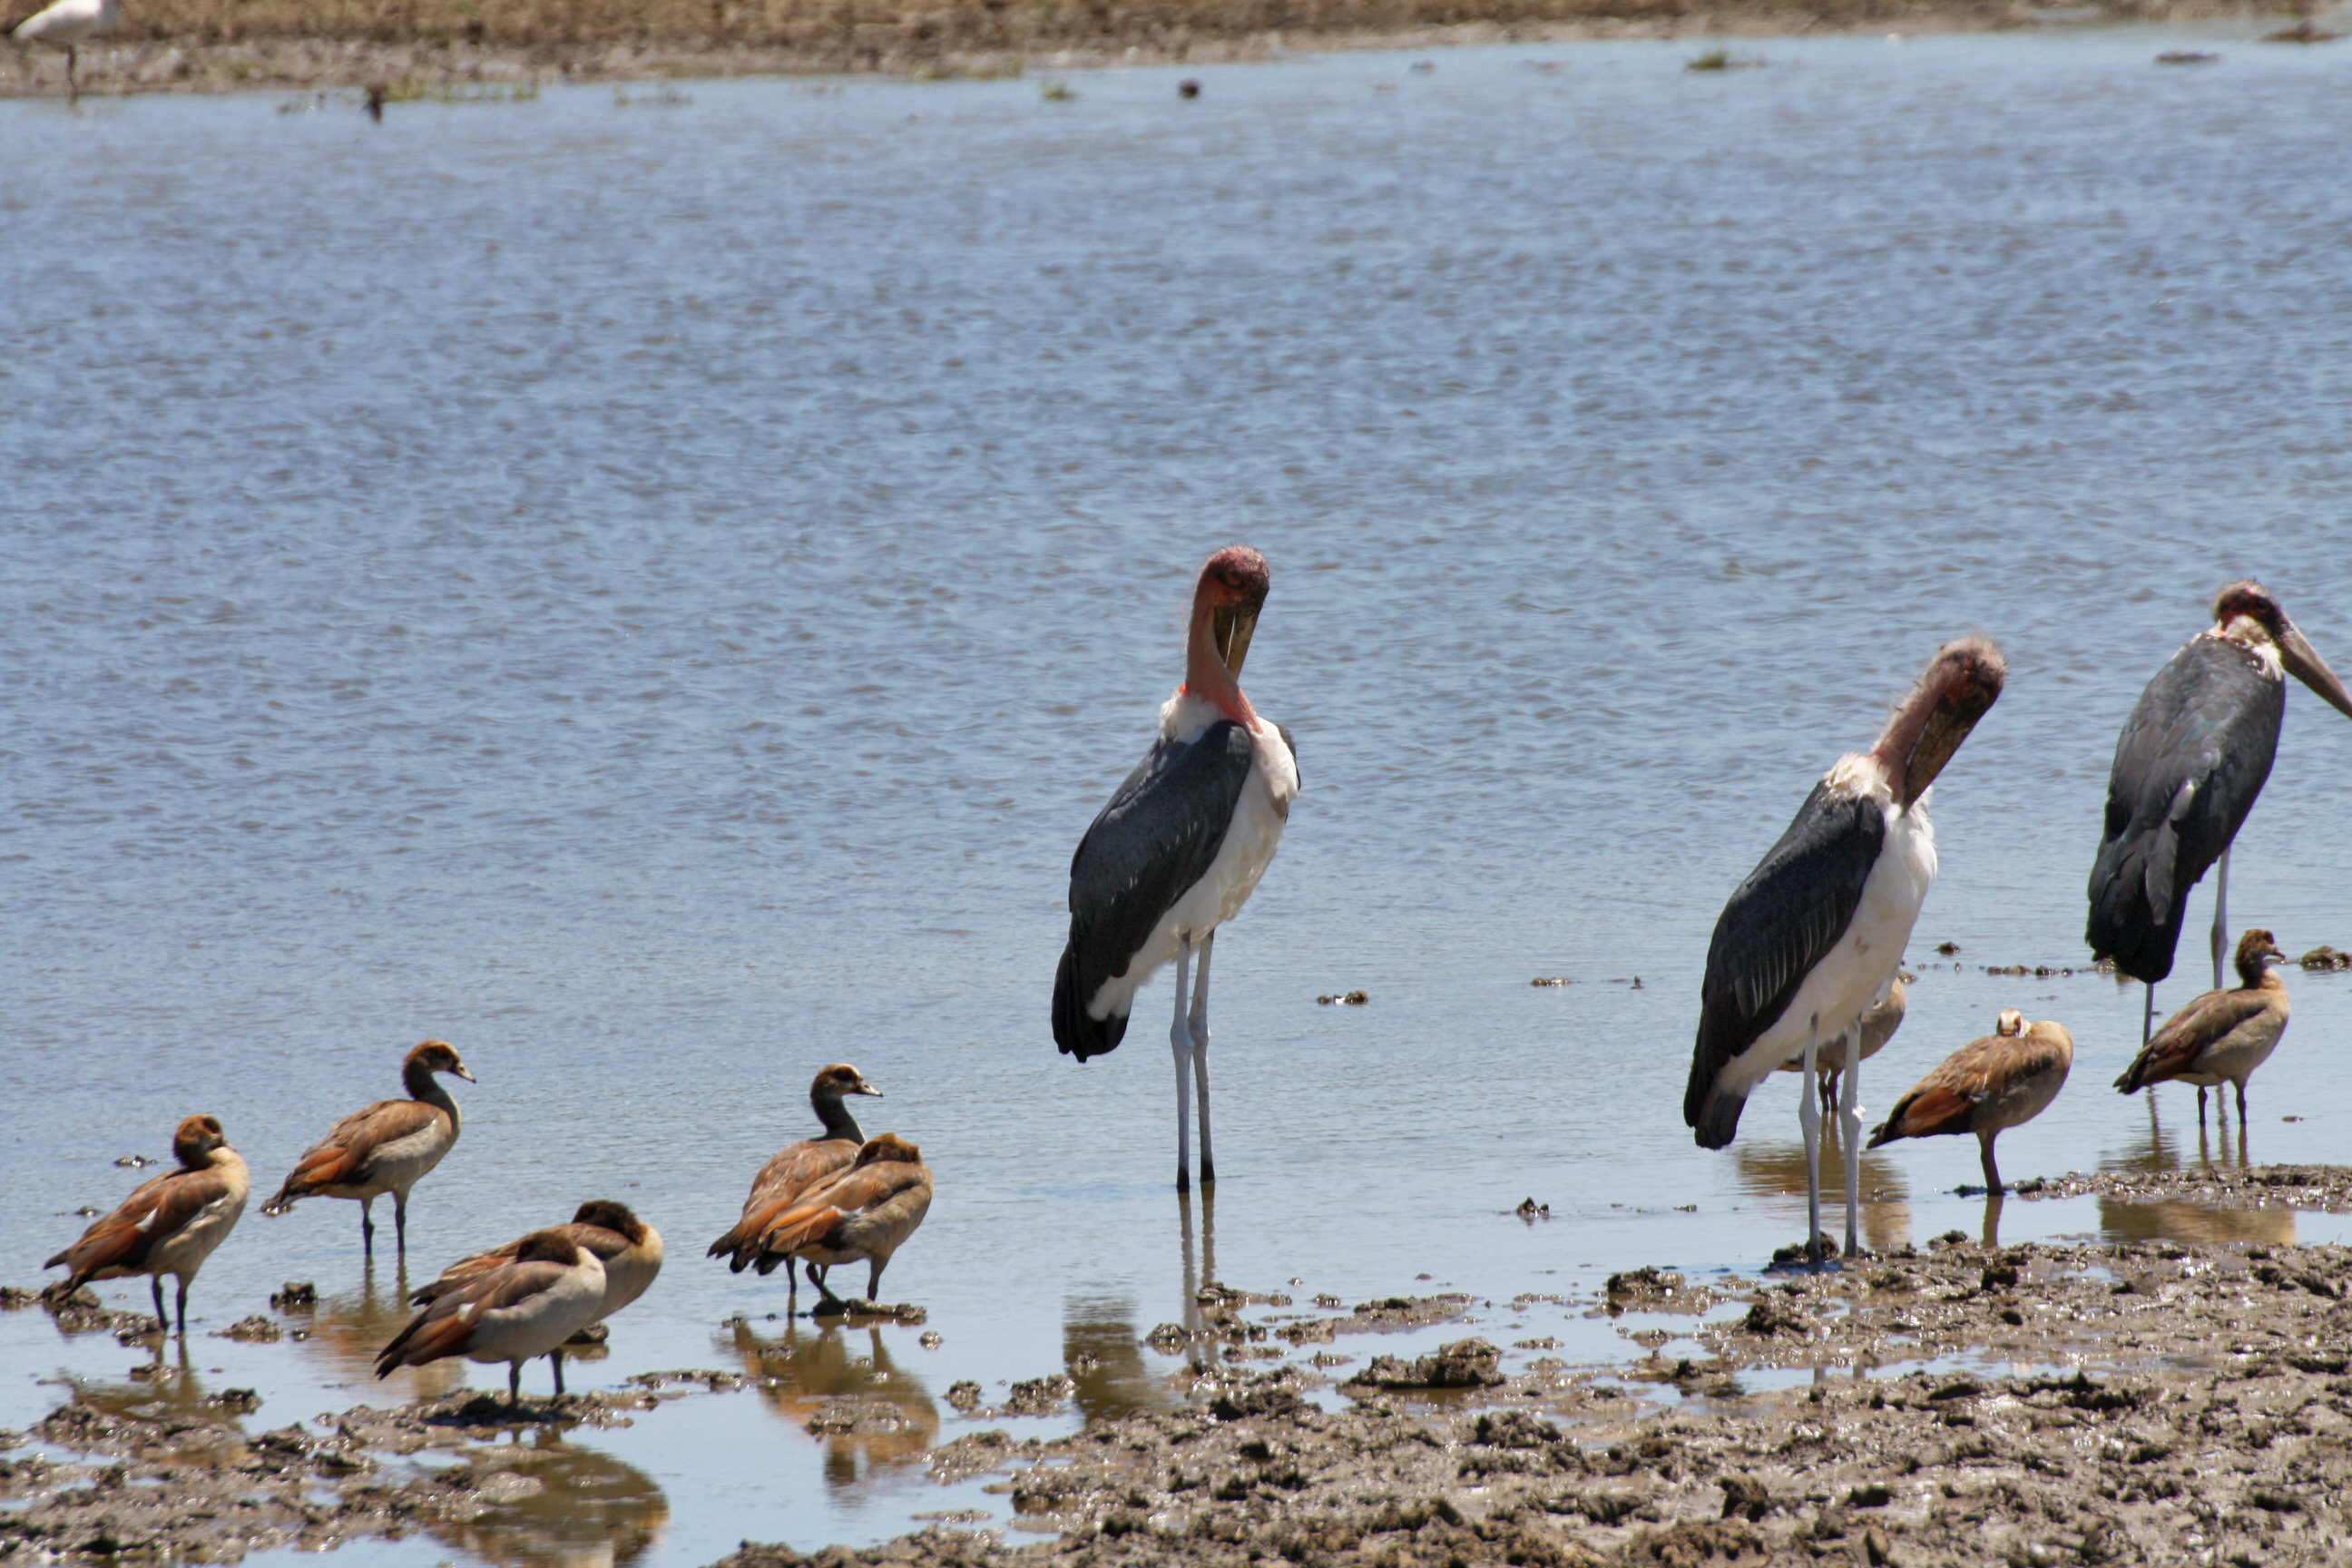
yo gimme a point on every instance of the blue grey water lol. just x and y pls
(653, 595)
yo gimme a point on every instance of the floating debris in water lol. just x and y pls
(2188, 58)
(1187, 89)
(2303, 32)
(133, 1163)
(2043, 970)
(1531, 1211)
(1551, 980)
(1948, 949)
(2325, 957)
(1722, 60)
(295, 1296)
(1348, 999)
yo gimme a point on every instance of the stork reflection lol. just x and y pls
(1200, 1269)
(1777, 1170)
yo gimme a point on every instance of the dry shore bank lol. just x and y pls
(2147, 1401)
(408, 46)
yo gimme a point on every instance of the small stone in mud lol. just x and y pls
(14, 1298)
(235, 1401)
(964, 1396)
(1771, 1316)
(295, 1296)
(1039, 1395)
(1464, 1363)
(1795, 1252)
(255, 1330)
(1744, 1495)
(1948, 949)
(930, 1340)
(1647, 1283)
(1167, 1339)
(856, 1307)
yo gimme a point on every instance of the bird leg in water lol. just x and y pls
(1809, 1117)
(1198, 1022)
(162, 1321)
(73, 92)
(2148, 1015)
(1992, 1171)
(2241, 1144)
(555, 1359)
(1180, 1040)
(367, 1230)
(2201, 1109)
(1850, 1134)
(2220, 916)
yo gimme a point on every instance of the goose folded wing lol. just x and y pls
(447, 1326)
(157, 1210)
(868, 1192)
(342, 1156)
(2189, 1033)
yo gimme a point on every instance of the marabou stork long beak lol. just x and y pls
(2302, 662)
(1234, 624)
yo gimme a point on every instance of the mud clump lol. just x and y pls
(256, 1329)
(1464, 1363)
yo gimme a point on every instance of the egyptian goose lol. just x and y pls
(2223, 1036)
(1878, 1026)
(170, 1223)
(629, 1249)
(2002, 1080)
(798, 1170)
(868, 1211)
(522, 1307)
(386, 1148)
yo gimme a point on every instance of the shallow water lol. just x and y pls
(654, 595)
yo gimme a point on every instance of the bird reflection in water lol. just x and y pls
(2160, 1151)
(1777, 1170)
(553, 1504)
(1105, 1360)
(347, 1330)
(1200, 1266)
(167, 1391)
(2158, 1219)
(841, 1387)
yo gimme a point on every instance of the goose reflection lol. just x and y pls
(2159, 1219)
(348, 1331)
(1105, 1360)
(1768, 1169)
(167, 1392)
(557, 1505)
(841, 1386)
(2159, 1150)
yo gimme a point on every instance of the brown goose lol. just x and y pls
(868, 1211)
(2223, 1036)
(1878, 1026)
(2000, 1081)
(629, 1249)
(526, 1306)
(170, 1223)
(799, 1169)
(386, 1148)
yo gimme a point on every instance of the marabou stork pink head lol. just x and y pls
(1232, 590)
(1960, 685)
(2244, 610)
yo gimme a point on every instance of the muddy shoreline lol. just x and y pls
(1953, 1402)
(182, 45)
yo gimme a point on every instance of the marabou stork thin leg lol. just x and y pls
(1850, 1135)
(1180, 1040)
(1809, 1117)
(2220, 917)
(1199, 1022)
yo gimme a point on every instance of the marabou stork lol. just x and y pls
(1812, 938)
(68, 22)
(1179, 848)
(2189, 766)
(1988, 1086)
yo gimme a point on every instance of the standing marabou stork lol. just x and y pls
(1812, 938)
(2189, 766)
(68, 22)
(1179, 848)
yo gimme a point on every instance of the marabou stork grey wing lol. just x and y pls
(1782, 921)
(2189, 766)
(1160, 835)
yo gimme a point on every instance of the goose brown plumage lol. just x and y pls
(794, 1171)
(868, 1211)
(1986, 1087)
(386, 1148)
(170, 1223)
(523, 1307)
(629, 1249)
(2223, 1036)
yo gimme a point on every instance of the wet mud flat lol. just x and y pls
(1954, 1403)
(453, 51)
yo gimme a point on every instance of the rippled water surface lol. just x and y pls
(653, 595)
